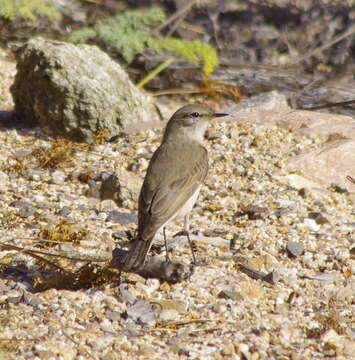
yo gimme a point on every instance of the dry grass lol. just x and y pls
(86, 277)
(217, 90)
(59, 154)
(63, 232)
(101, 136)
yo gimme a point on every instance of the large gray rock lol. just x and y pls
(76, 90)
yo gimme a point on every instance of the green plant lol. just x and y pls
(130, 32)
(192, 51)
(28, 9)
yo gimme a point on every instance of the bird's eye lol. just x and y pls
(195, 114)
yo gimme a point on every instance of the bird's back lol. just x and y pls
(163, 192)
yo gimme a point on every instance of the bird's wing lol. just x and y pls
(162, 196)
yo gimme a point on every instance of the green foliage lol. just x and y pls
(192, 51)
(130, 32)
(82, 35)
(28, 9)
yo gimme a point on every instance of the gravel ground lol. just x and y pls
(246, 215)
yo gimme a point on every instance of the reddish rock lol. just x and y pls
(331, 163)
(328, 165)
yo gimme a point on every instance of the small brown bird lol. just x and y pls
(173, 180)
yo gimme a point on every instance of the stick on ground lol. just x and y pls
(156, 267)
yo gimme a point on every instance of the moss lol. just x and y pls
(28, 9)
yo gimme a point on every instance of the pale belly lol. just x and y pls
(186, 208)
(188, 205)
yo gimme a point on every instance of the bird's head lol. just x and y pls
(191, 121)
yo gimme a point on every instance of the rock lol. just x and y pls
(318, 217)
(260, 108)
(299, 182)
(313, 123)
(230, 294)
(113, 315)
(328, 165)
(20, 204)
(322, 167)
(119, 234)
(212, 135)
(254, 212)
(64, 211)
(239, 170)
(86, 176)
(123, 188)
(25, 209)
(294, 248)
(79, 90)
(311, 224)
(342, 346)
(336, 188)
(303, 192)
(171, 304)
(271, 108)
(103, 175)
(121, 217)
(93, 190)
(331, 339)
(243, 349)
(228, 350)
(129, 190)
(110, 187)
(126, 295)
(285, 203)
(58, 177)
(143, 312)
(168, 315)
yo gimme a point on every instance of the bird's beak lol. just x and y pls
(219, 114)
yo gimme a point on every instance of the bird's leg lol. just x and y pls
(186, 233)
(166, 246)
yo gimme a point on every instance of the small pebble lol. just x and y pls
(64, 211)
(121, 217)
(212, 135)
(58, 177)
(230, 294)
(311, 224)
(26, 211)
(318, 217)
(294, 248)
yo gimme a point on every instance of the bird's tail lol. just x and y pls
(135, 258)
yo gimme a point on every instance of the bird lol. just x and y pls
(173, 180)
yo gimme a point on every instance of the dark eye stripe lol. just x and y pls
(195, 114)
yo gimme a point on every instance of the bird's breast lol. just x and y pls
(188, 206)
